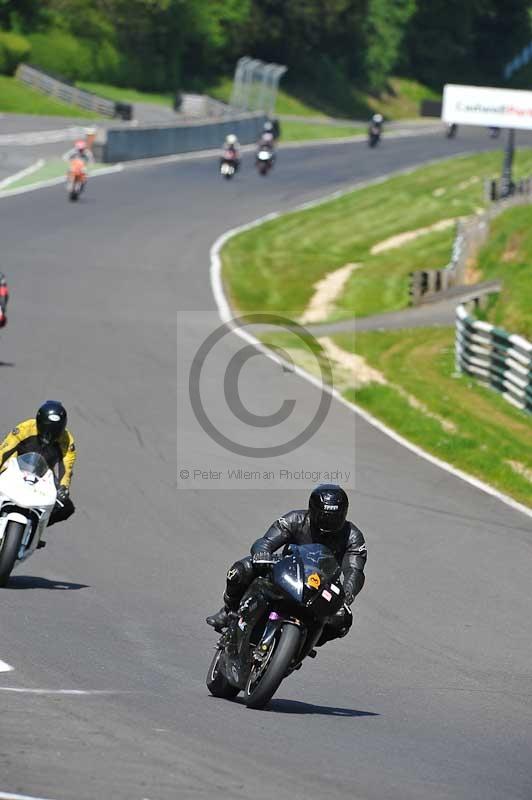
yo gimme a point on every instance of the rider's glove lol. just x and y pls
(62, 494)
(264, 559)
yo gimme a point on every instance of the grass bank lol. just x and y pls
(401, 100)
(419, 396)
(275, 268)
(17, 98)
(118, 94)
(405, 378)
(300, 131)
(508, 256)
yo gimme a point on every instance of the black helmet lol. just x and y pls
(327, 507)
(51, 421)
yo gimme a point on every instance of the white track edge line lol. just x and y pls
(10, 796)
(22, 173)
(56, 181)
(226, 315)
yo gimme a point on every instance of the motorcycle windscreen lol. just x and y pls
(318, 559)
(33, 463)
(288, 575)
(323, 591)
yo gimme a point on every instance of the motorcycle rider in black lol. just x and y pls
(324, 522)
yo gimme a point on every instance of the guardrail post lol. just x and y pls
(415, 288)
(507, 184)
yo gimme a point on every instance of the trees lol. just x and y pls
(158, 44)
(385, 27)
(465, 40)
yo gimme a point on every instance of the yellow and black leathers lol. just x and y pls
(60, 456)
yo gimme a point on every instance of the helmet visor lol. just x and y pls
(330, 521)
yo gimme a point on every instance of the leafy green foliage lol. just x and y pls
(60, 53)
(385, 29)
(13, 49)
(328, 45)
(465, 41)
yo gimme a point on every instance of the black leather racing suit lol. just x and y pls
(348, 545)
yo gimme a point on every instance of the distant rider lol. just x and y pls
(267, 137)
(232, 147)
(376, 123)
(324, 522)
(4, 297)
(47, 435)
(274, 126)
(80, 150)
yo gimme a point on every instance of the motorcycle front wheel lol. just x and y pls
(9, 549)
(217, 683)
(264, 681)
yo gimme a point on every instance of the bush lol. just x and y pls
(60, 53)
(107, 63)
(13, 49)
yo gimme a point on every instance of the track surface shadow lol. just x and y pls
(298, 707)
(33, 582)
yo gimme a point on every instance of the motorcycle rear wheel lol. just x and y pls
(259, 692)
(9, 549)
(217, 683)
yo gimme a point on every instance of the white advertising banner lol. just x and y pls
(483, 105)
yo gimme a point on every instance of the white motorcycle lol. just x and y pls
(264, 161)
(27, 498)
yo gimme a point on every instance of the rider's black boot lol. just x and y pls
(218, 621)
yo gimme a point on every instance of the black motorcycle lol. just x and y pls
(451, 130)
(280, 620)
(374, 135)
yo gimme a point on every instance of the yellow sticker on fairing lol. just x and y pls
(314, 581)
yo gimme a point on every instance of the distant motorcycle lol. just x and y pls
(280, 620)
(27, 498)
(76, 178)
(374, 135)
(264, 161)
(228, 164)
(452, 128)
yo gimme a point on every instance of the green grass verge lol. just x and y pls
(300, 131)
(17, 98)
(274, 268)
(125, 95)
(286, 102)
(400, 101)
(508, 255)
(482, 432)
(54, 168)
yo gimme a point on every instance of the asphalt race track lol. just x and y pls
(429, 698)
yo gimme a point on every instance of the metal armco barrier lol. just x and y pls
(70, 94)
(471, 234)
(126, 144)
(500, 359)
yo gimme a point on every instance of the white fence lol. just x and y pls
(63, 91)
(501, 360)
